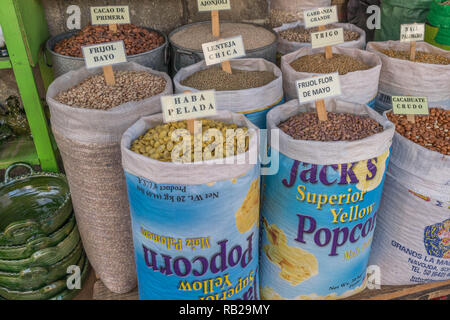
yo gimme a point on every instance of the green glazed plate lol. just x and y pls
(32, 205)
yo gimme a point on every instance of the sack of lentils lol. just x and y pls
(88, 118)
(319, 210)
(195, 224)
(254, 87)
(428, 76)
(359, 72)
(412, 241)
(294, 36)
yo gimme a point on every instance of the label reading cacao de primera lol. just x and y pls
(110, 15)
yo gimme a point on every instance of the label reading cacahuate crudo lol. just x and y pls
(412, 32)
(223, 50)
(328, 37)
(187, 106)
(320, 16)
(210, 5)
(318, 88)
(104, 54)
(110, 15)
(410, 105)
(318, 224)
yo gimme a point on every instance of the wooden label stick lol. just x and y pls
(113, 27)
(321, 110)
(411, 118)
(328, 50)
(190, 122)
(215, 23)
(412, 51)
(109, 75)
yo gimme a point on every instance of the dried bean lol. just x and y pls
(317, 63)
(421, 56)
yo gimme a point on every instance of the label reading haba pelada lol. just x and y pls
(223, 50)
(318, 88)
(110, 15)
(210, 5)
(104, 54)
(412, 32)
(187, 106)
(320, 16)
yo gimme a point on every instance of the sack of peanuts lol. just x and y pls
(195, 222)
(359, 72)
(293, 36)
(88, 118)
(412, 240)
(428, 76)
(319, 211)
(254, 87)
(284, 11)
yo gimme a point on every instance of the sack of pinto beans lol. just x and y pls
(319, 210)
(412, 241)
(254, 87)
(359, 72)
(88, 118)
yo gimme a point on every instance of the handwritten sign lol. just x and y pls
(412, 32)
(223, 50)
(189, 106)
(410, 105)
(110, 15)
(104, 54)
(211, 5)
(320, 16)
(326, 38)
(318, 88)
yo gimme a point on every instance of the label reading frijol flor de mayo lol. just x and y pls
(110, 15)
(318, 223)
(317, 88)
(210, 5)
(189, 106)
(222, 50)
(320, 16)
(104, 54)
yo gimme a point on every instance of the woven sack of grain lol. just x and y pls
(285, 11)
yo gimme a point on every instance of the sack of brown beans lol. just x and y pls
(359, 72)
(88, 118)
(284, 11)
(293, 36)
(412, 240)
(319, 210)
(428, 76)
(254, 87)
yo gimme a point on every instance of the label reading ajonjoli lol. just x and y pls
(320, 16)
(412, 32)
(223, 50)
(110, 15)
(189, 106)
(210, 5)
(410, 105)
(325, 38)
(318, 88)
(104, 54)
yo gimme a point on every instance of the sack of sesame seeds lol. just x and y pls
(359, 86)
(89, 142)
(195, 225)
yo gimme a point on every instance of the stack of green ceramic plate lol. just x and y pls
(40, 247)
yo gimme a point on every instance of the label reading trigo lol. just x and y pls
(223, 50)
(320, 16)
(325, 38)
(412, 32)
(110, 15)
(319, 88)
(104, 54)
(410, 105)
(188, 106)
(210, 5)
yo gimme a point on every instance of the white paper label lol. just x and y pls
(104, 54)
(412, 32)
(320, 16)
(110, 15)
(188, 106)
(325, 38)
(318, 88)
(210, 5)
(223, 50)
(410, 105)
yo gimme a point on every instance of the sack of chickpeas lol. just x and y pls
(195, 223)
(254, 87)
(412, 241)
(88, 118)
(293, 36)
(359, 72)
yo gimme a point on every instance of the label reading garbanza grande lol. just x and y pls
(104, 54)
(110, 15)
(410, 105)
(189, 106)
(320, 16)
(412, 32)
(325, 38)
(318, 88)
(223, 50)
(210, 5)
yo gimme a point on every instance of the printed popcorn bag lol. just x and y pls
(195, 225)
(319, 211)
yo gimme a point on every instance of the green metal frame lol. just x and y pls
(25, 31)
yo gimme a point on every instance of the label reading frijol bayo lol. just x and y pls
(328, 37)
(210, 5)
(222, 50)
(410, 105)
(412, 32)
(317, 88)
(320, 16)
(318, 223)
(110, 15)
(189, 106)
(104, 54)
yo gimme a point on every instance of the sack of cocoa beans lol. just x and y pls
(428, 76)
(88, 118)
(293, 36)
(412, 241)
(359, 72)
(319, 210)
(254, 87)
